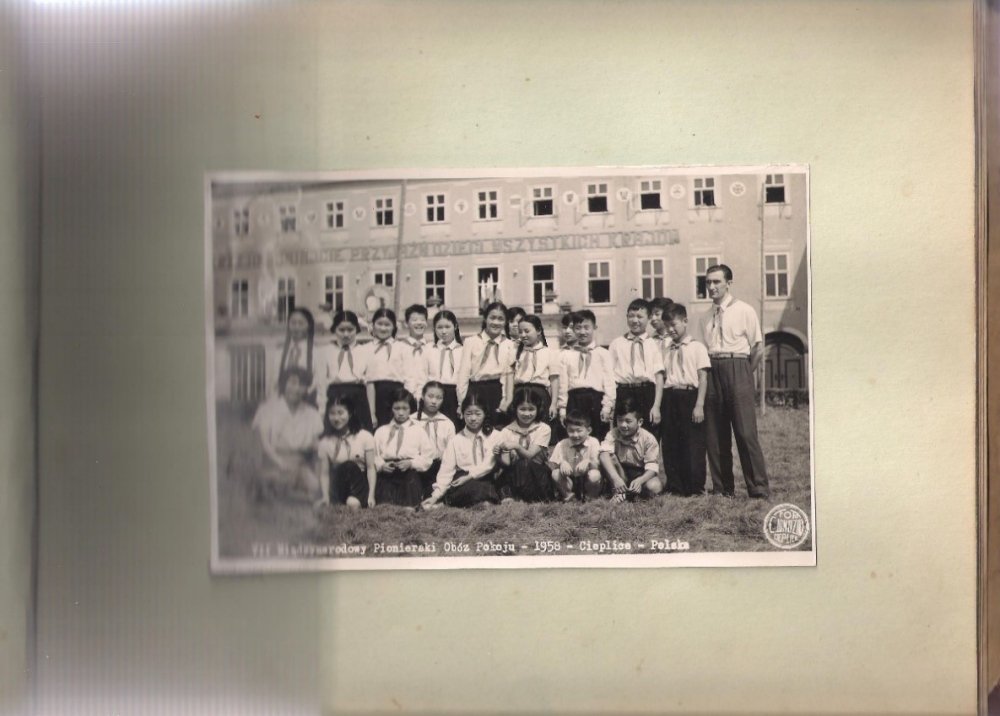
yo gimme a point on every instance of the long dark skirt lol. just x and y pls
(398, 488)
(490, 394)
(528, 480)
(384, 390)
(358, 395)
(348, 479)
(472, 493)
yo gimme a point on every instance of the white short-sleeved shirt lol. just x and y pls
(440, 431)
(467, 453)
(536, 365)
(683, 362)
(587, 367)
(586, 454)
(485, 358)
(740, 328)
(338, 364)
(382, 360)
(285, 430)
(414, 445)
(339, 449)
(642, 449)
(444, 361)
(413, 362)
(635, 359)
(538, 435)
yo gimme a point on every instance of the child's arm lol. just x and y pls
(698, 415)
(612, 470)
(610, 388)
(372, 475)
(324, 480)
(637, 483)
(446, 474)
(507, 389)
(654, 412)
(425, 453)
(554, 381)
(378, 460)
(370, 392)
(465, 369)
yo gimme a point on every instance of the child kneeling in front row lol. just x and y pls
(402, 452)
(523, 449)
(468, 465)
(574, 461)
(346, 456)
(629, 455)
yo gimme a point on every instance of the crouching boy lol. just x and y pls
(629, 456)
(574, 460)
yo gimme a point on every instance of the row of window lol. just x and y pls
(543, 284)
(436, 211)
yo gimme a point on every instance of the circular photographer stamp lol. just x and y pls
(786, 526)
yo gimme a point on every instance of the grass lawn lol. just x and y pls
(707, 523)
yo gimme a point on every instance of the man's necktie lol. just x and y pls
(478, 448)
(717, 329)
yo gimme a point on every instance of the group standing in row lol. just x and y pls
(502, 415)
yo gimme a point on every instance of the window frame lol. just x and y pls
(336, 209)
(495, 202)
(390, 273)
(437, 208)
(776, 272)
(244, 298)
(378, 213)
(288, 220)
(597, 193)
(650, 192)
(609, 278)
(770, 184)
(710, 260)
(286, 297)
(652, 277)
(534, 282)
(330, 292)
(443, 295)
(241, 222)
(698, 192)
(498, 285)
(550, 198)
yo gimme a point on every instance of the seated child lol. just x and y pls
(574, 461)
(288, 429)
(439, 428)
(346, 456)
(629, 456)
(468, 465)
(523, 449)
(402, 452)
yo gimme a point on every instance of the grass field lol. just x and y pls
(707, 524)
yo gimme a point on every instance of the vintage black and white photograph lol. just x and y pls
(491, 368)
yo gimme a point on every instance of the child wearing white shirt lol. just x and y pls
(402, 452)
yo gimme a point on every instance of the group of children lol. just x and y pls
(497, 416)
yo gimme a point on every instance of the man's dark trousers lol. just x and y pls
(730, 403)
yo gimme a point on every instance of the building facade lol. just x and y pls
(547, 244)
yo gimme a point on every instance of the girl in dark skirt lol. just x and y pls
(468, 466)
(402, 452)
(537, 368)
(440, 430)
(486, 360)
(444, 362)
(342, 371)
(347, 457)
(383, 366)
(523, 451)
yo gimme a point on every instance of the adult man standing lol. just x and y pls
(731, 332)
